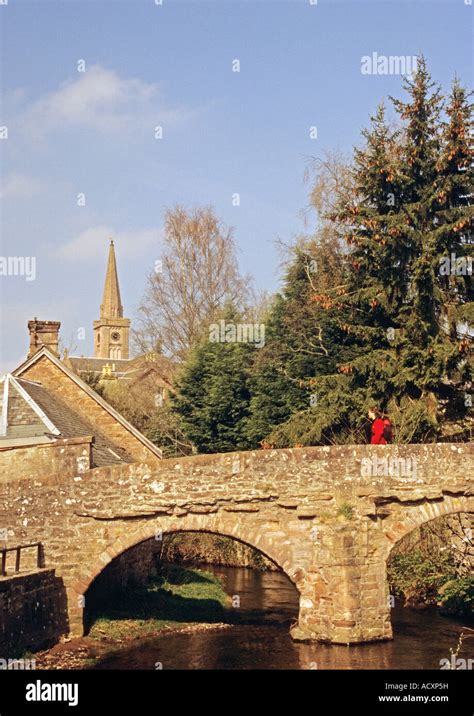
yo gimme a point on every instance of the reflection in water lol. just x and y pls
(259, 637)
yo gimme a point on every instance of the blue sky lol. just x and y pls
(224, 132)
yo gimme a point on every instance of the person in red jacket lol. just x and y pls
(381, 430)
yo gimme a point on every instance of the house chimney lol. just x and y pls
(43, 333)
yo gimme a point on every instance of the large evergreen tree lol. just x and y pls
(410, 209)
(385, 320)
(436, 197)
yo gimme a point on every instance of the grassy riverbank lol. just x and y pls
(178, 600)
(177, 597)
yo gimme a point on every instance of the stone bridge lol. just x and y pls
(327, 516)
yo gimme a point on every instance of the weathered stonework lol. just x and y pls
(33, 613)
(67, 456)
(314, 511)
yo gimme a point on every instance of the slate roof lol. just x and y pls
(23, 421)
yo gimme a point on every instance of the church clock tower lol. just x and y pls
(111, 331)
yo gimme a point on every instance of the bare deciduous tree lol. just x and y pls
(197, 275)
(332, 183)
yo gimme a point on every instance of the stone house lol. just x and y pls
(52, 422)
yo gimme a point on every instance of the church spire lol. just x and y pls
(111, 331)
(111, 306)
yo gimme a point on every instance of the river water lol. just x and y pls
(259, 636)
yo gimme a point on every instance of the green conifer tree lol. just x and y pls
(213, 393)
(411, 208)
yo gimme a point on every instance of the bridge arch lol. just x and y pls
(415, 515)
(411, 518)
(278, 551)
(314, 511)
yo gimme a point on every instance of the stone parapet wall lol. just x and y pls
(55, 460)
(327, 516)
(33, 612)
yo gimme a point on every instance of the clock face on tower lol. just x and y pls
(115, 336)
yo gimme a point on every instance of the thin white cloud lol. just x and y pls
(99, 99)
(19, 186)
(93, 243)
